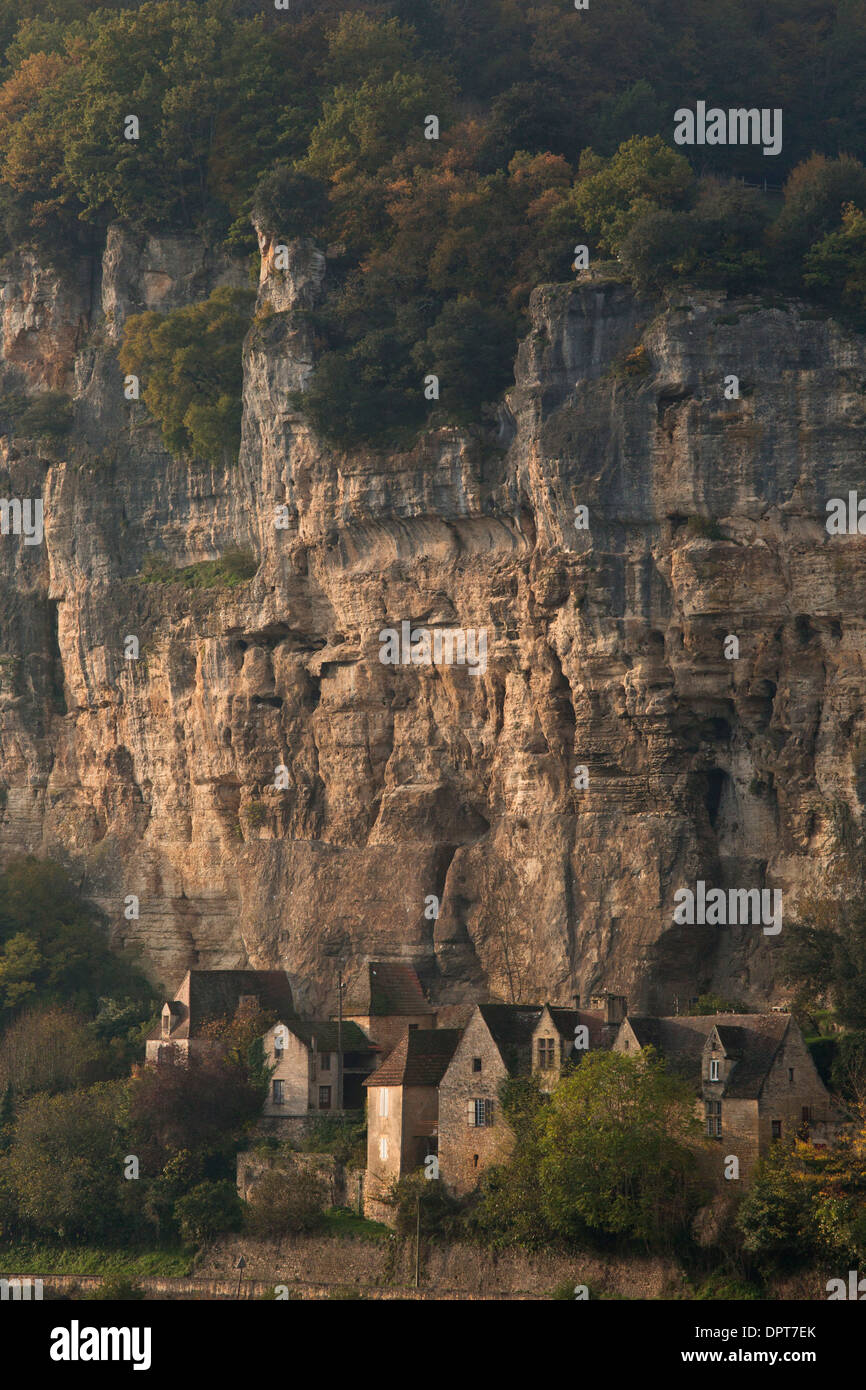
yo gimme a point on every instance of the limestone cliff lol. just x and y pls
(606, 645)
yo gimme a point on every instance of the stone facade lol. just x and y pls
(473, 1133)
(754, 1079)
(306, 1071)
(403, 1113)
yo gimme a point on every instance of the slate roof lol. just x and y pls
(217, 993)
(389, 987)
(511, 1027)
(754, 1039)
(566, 1020)
(420, 1058)
(325, 1035)
(679, 1040)
(750, 1040)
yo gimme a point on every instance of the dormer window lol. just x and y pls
(166, 1021)
(714, 1069)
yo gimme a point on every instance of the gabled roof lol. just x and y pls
(751, 1041)
(388, 987)
(324, 1033)
(217, 994)
(679, 1040)
(420, 1058)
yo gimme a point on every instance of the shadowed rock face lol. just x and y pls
(605, 646)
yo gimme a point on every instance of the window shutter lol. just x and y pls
(471, 1115)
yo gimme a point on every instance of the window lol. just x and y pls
(714, 1068)
(481, 1113)
(383, 1148)
(713, 1111)
(474, 1160)
(806, 1114)
(546, 1053)
(790, 1073)
(476, 1063)
(776, 1129)
(278, 1093)
(324, 1097)
(383, 1102)
(324, 1061)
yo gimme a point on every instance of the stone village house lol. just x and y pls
(752, 1074)
(403, 1111)
(205, 996)
(305, 1076)
(437, 1093)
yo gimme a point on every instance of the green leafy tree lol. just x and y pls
(49, 1049)
(836, 264)
(65, 1165)
(616, 1150)
(52, 948)
(645, 175)
(816, 194)
(191, 369)
(201, 1107)
(824, 956)
(806, 1204)
(289, 204)
(161, 64)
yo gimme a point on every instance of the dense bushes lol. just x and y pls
(54, 951)
(282, 1205)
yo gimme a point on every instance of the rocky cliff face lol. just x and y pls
(606, 646)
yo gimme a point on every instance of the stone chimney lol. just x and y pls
(616, 1008)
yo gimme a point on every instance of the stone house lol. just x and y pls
(403, 1111)
(497, 1042)
(305, 1060)
(386, 1001)
(206, 996)
(752, 1074)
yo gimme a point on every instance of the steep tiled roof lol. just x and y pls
(679, 1040)
(753, 1040)
(389, 987)
(750, 1040)
(325, 1035)
(217, 993)
(419, 1059)
(566, 1020)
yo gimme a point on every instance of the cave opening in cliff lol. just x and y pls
(716, 779)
